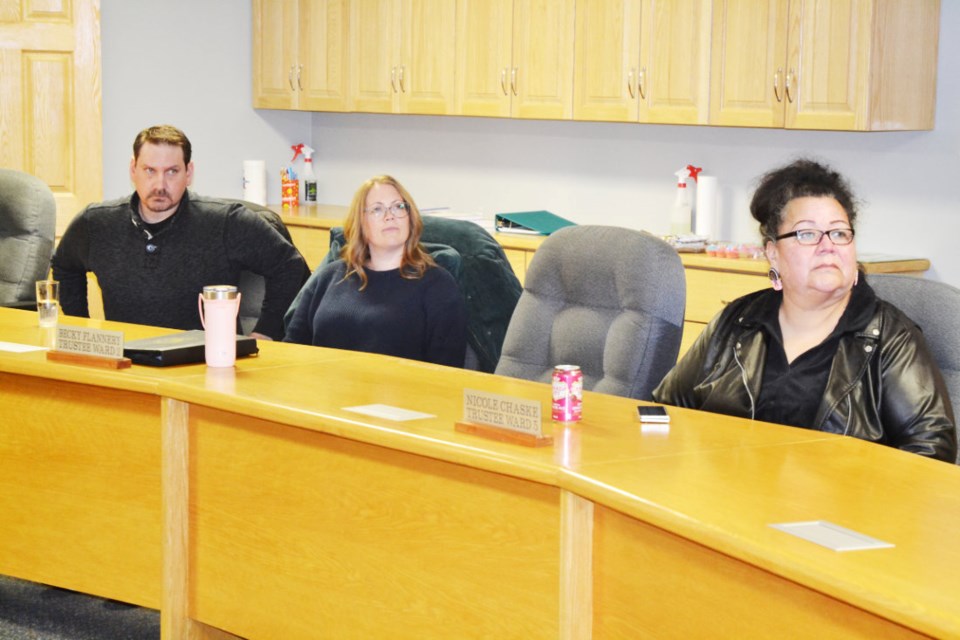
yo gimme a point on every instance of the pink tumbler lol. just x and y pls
(219, 305)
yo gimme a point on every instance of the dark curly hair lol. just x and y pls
(799, 179)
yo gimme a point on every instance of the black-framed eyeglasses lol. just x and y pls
(814, 236)
(398, 209)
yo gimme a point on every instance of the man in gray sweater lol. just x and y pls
(154, 251)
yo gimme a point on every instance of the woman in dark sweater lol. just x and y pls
(385, 294)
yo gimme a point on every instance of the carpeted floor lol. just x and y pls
(30, 611)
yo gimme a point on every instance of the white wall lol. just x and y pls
(189, 64)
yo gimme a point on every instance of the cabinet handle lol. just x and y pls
(299, 74)
(402, 69)
(630, 84)
(776, 84)
(393, 78)
(290, 77)
(503, 80)
(513, 80)
(786, 86)
(641, 78)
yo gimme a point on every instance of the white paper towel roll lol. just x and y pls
(255, 181)
(705, 222)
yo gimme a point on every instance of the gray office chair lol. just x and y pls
(935, 307)
(28, 218)
(608, 299)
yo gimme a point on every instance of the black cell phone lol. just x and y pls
(653, 414)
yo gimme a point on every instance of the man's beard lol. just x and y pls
(165, 196)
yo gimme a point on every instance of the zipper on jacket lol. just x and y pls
(743, 377)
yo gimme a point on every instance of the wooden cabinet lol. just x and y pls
(515, 58)
(850, 65)
(402, 56)
(643, 61)
(854, 65)
(300, 56)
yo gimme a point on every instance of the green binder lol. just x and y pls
(541, 223)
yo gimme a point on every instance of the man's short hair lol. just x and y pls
(163, 134)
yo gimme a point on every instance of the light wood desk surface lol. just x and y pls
(299, 516)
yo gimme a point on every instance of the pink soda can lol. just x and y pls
(567, 393)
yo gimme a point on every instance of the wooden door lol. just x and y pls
(542, 71)
(275, 70)
(324, 40)
(607, 60)
(674, 77)
(375, 55)
(484, 43)
(830, 43)
(426, 77)
(749, 54)
(50, 121)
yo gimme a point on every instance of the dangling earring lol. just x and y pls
(856, 278)
(774, 276)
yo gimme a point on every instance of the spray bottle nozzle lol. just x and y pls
(297, 150)
(693, 171)
(682, 176)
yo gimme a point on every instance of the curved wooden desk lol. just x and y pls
(249, 500)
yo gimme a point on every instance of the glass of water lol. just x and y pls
(48, 302)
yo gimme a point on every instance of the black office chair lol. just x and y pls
(252, 286)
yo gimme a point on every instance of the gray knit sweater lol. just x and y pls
(156, 280)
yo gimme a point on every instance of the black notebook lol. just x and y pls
(178, 348)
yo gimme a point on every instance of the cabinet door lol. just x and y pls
(542, 71)
(749, 52)
(323, 54)
(274, 54)
(674, 77)
(425, 78)
(827, 72)
(484, 45)
(375, 47)
(607, 60)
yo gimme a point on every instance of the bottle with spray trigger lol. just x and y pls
(309, 179)
(681, 214)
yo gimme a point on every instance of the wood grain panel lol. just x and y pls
(274, 53)
(518, 261)
(324, 39)
(48, 10)
(299, 534)
(48, 95)
(67, 521)
(314, 244)
(484, 55)
(50, 124)
(543, 35)
(708, 291)
(732, 598)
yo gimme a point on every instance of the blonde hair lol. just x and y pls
(356, 249)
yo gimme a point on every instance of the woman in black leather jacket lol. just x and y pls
(819, 350)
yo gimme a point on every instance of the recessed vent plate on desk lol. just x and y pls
(831, 536)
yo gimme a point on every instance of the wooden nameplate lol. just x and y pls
(504, 435)
(88, 360)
